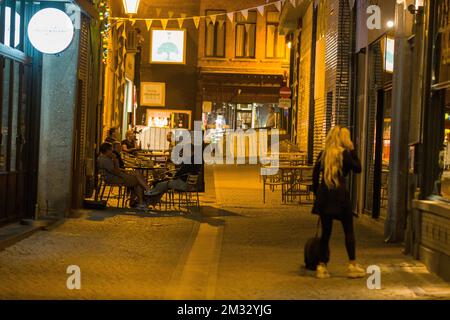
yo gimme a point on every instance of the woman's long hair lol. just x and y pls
(338, 139)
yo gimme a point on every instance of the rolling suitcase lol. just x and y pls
(312, 251)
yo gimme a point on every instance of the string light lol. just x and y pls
(104, 12)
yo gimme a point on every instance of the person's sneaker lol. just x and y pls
(355, 271)
(149, 192)
(141, 207)
(322, 272)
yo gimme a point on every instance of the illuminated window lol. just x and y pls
(9, 22)
(245, 35)
(215, 34)
(275, 43)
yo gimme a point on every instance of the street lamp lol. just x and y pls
(131, 6)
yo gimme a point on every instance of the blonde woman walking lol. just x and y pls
(332, 197)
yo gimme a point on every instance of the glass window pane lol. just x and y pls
(12, 24)
(22, 118)
(210, 39)
(271, 33)
(251, 40)
(5, 115)
(281, 46)
(14, 115)
(251, 17)
(240, 39)
(220, 46)
(273, 16)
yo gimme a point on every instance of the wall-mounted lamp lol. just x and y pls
(390, 24)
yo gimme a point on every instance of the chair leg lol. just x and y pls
(102, 193)
(109, 194)
(119, 196)
(198, 202)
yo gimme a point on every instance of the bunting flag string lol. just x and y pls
(149, 24)
(260, 10)
(213, 19)
(196, 19)
(278, 5)
(164, 23)
(180, 22)
(245, 13)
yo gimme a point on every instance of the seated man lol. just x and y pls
(179, 180)
(108, 163)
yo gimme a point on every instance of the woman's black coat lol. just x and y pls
(336, 201)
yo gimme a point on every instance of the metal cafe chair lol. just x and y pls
(305, 183)
(121, 194)
(185, 196)
(272, 181)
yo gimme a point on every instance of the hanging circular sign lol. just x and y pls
(50, 30)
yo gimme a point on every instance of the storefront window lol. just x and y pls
(12, 24)
(241, 116)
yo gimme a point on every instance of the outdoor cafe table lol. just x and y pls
(296, 177)
(145, 170)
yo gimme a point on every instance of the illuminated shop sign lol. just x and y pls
(389, 55)
(50, 31)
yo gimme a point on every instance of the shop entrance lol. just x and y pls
(15, 196)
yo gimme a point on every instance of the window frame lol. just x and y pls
(276, 40)
(216, 25)
(243, 23)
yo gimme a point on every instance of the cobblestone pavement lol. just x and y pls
(121, 256)
(238, 248)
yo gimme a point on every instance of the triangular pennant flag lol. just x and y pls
(207, 20)
(260, 10)
(133, 21)
(278, 5)
(148, 23)
(196, 21)
(213, 19)
(221, 22)
(180, 22)
(164, 23)
(230, 16)
(158, 12)
(124, 34)
(244, 13)
(170, 13)
(294, 3)
(119, 23)
(183, 15)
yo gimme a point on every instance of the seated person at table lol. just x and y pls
(117, 148)
(179, 180)
(111, 138)
(108, 163)
(129, 144)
